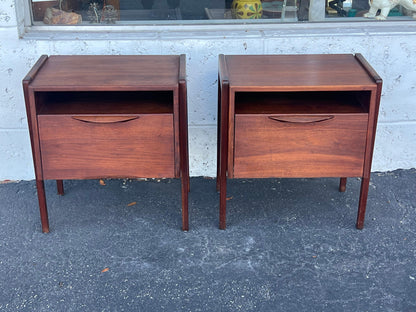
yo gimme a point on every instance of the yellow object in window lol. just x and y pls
(247, 9)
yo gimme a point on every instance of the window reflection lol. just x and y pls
(73, 12)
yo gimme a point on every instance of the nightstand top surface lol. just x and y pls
(108, 72)
(292, 72)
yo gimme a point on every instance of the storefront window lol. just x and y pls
(104, 12)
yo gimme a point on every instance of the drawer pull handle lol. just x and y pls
(104, 119)
(301, 119)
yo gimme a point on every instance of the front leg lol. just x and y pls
(42, 206)
(371, 13)
(383, 14)
(365, 182)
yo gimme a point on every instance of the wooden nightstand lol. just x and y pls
(108, 117)
(296, 116)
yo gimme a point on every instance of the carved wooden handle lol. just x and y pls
(299, 119)
(104, 119)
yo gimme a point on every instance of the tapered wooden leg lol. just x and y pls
(223, 201)
(60, 187)
(342, 184)
(42, 206)
(222, 159)
(183, 145)
(365, 182)
(223, 97)
(185, 194)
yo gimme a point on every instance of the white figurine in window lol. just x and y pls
(386, 5)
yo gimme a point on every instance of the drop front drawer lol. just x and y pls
(299, 145)
(82, 147)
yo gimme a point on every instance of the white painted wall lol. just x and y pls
(389, 46)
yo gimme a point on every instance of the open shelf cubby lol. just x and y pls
(105, 102)
(307, 102)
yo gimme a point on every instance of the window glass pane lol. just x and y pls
(104, 12)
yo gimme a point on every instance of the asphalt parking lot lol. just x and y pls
(290, 245)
